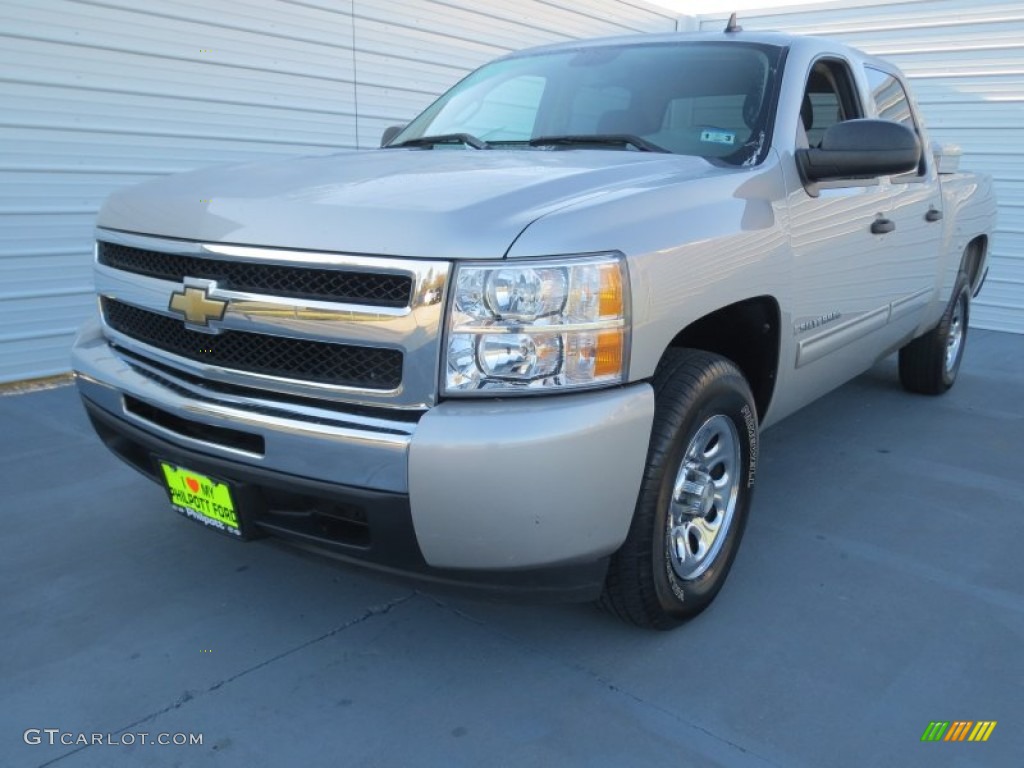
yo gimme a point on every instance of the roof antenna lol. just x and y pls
(732, 26)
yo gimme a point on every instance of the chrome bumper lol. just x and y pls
(517, 483)
(311, 441)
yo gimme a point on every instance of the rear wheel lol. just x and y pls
(929, 364)
(695, 495)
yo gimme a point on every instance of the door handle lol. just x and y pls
(934, 214)
(882, 226)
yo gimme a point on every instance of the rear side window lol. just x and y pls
(890, 99)
(891, 103)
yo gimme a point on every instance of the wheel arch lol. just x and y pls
(973, 262)
(747, 333)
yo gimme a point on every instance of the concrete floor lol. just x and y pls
(879, 588)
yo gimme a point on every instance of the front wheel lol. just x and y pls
(695, 496)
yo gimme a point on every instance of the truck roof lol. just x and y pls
(780, 39)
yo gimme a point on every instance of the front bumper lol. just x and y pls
(519, 493)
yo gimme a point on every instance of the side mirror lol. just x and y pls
(389, 133)
(861, 148)
(947, 157)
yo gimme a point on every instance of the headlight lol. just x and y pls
(538, 326)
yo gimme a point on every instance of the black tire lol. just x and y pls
(929, 364)
(646, 585)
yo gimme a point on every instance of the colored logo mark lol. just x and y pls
(958, 730)
(196, 305)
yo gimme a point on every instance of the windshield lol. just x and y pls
(707, 99)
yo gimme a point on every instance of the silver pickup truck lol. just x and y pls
(528, 344)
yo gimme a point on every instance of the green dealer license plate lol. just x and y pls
(201, 498)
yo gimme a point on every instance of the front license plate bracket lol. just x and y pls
(202, 498)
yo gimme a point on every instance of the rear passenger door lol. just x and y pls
(916, 212)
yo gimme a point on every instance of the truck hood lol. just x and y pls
(455, 204)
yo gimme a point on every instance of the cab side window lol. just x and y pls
(829, 98)
(891, 103)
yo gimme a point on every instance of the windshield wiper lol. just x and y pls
(446, 138)
(625, 139)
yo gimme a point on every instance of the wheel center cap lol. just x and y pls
(696, 492)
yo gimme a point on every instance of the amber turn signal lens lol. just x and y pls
(608, 355)
(610, 299)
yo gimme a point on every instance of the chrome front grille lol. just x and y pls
(325, 362)
(335, 327)
(367, 288)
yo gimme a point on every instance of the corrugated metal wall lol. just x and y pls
(966, 62)
(99, 94)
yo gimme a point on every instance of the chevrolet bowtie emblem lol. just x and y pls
(197, 306)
